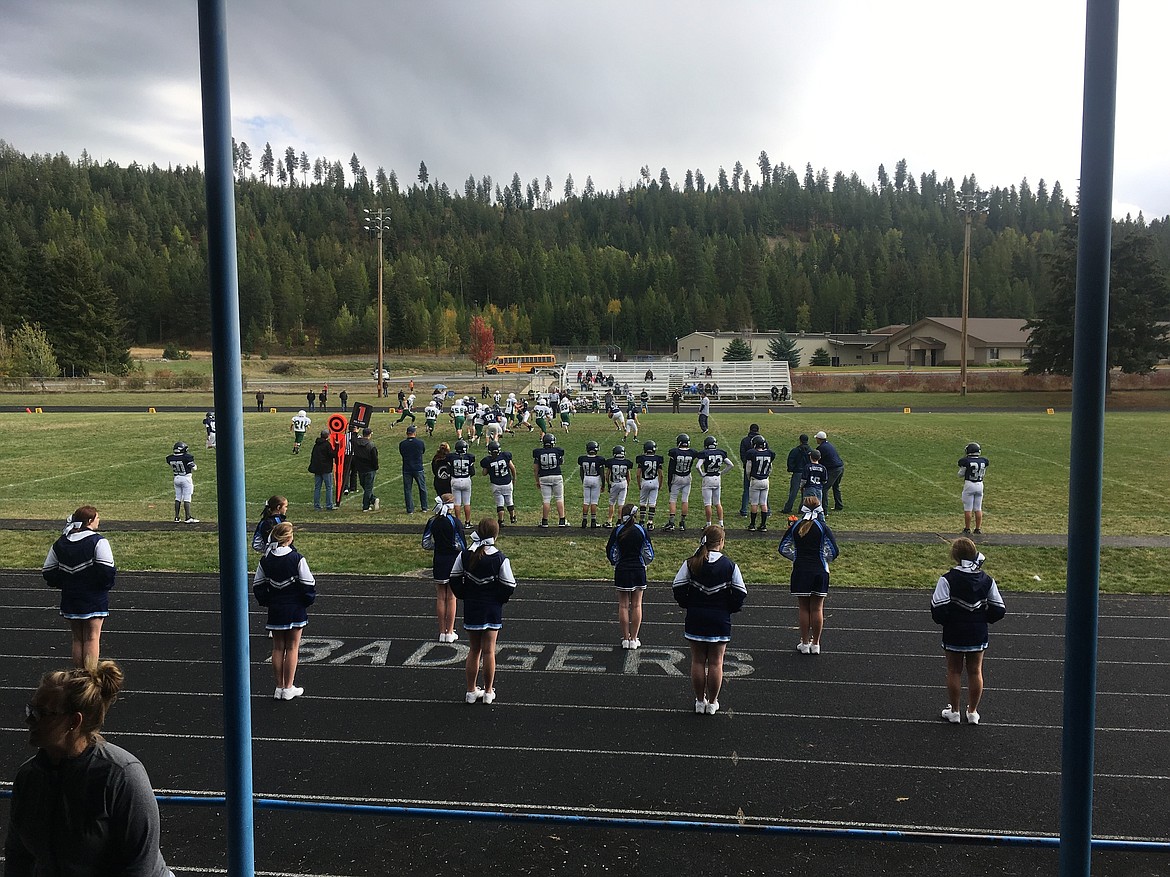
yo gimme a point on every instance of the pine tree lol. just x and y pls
(738, 350)
(784, 349)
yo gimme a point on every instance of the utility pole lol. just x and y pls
(379, 221)
(970, 203)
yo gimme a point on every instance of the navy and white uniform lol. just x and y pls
(814, 481)
(182, 465)
(965, 601)
(710, 597)
(678, 472)
(758, 464)
(810, 554)
(649, 478)
(484, 586)
(447, 542)
(209, 425)
(499, 471)
(713, 463)
(462, 469)
(81, 564)
(618, 474)
(262, 535)
(548, 468)
(284, 584)
(972, 469)
(590, 466)
(629, 550)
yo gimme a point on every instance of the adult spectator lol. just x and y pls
(412, 449)
(259, 400)
(832, 461)
(81, 805)
(715, 389)
(321, 465)
(311, 399)
(675, 400)
(797, 460)
(775, 393)
(649, 374)
(344, 397)
(784, 394)
(323, 397)
(704, 412)
(745, 446)
(365, 462)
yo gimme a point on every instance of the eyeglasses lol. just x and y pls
(35, 714)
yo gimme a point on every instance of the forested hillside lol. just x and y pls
(103, 256)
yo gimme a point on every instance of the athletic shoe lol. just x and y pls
(712, 707)
(751, 528)
(966, 531)
(814, 648)
(279, 695)
(563, 523)
(649, 525)
(951, 715)
(972, 718)
(368, 510)
(178, 520)
(452, 636)
(290, 693)
(668, 527)
(682, 528)
(473, 696)
(544, 524)
(489, 696)
(608, 525)
(513, 519)
(593, 525)
(700, 707)
(762, 530)
(978, 532)
(192, 520)
(467, 526)
(584, 523)
(377, 504)
(626, 644)
(635, 643)
(802, 647)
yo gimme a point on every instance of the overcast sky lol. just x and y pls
(599, 87)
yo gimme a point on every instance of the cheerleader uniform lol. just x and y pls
(710, 598)
(965, 601)
(629, 550)
(262, 535)
(284, 584)
(81, 564)
(810, 555)
(485, 589)
(447, 543)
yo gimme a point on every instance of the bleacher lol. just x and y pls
(736, 380)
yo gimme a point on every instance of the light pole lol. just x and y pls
(378, 221)
(970, 203)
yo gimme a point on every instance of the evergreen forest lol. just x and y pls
(103, 257)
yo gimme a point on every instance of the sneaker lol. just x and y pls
(584, 523)
(838, 508)
(467, 525)
(649, 525)
(751, 528)
(178, 520)
(608, 525)
(966, 531)
(544, 524)
(279, 695)
(626, 644)
(563, 523)
(473, 696)
(814, 648)
(668, 527)
(368, 510)
(489, 696)
(803, 647)
(593, 525)
(635, 643)
(290, 693)
(682, 528)
(712, 707)
(972, 718)
(978, 532)
(951, 715)
(762, 529)
(452, 637)
(700, 707)
(512, 518)
(377, 504)
(192, 520)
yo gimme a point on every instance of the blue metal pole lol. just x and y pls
(1090, 376)
(225, 346)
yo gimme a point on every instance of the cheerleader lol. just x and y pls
(482, 578)
(965, 601)
(710, 587)
(81, 564)
(284, 584)
(275, 512)
(629, 550)
(810, 545)
(444, 536)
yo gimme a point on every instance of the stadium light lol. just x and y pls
(970, 202)
(378, 221)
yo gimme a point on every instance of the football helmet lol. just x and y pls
(592, 447)
(619, 450)
(461, 447)
(683, 440)
(301, 413)
(211, 415)
(759, 442)
(973, 448)
(180, 447)
(709, 442)
(650, 447)
(493, 448)
(548, 440)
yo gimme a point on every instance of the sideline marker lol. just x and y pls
(770, 411)
(905, 410)
(1051, 411)
(271, 410)
(151, 411)
(40, 410)
(27, 410)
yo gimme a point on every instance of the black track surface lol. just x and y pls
(583, 727)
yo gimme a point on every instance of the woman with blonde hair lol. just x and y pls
(81, 564)
(284, 584)
(710, 587)
(482, 578)
(80, 806)
(810, 545)
(444, 536)
(629, 550)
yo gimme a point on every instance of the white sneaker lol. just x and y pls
(635, 643)
(377, 504)
(452, 636)
(700, 707)
(290, 693)
(625, 644)
(951, 715)
(489, 696)
(279, 695)
(802, 647)
(473, 696)
(712, 707)
(192, 520)
(814, 648)
(972, 718)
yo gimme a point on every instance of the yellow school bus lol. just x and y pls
(528, 362)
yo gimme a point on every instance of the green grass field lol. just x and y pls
(900, 476)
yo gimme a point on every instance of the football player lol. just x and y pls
(714, 463)
(546, 468)
(972, 469)
(182, 466)
(462, 469)
(757, 466)
(591, 464)
(502, 475)
(649, 472)
(298, 427)
(678, 478)
(617, 475)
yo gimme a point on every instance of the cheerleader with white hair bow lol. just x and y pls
(444, 536)
(81, 565)
(810, 545)
(629, 550)
(482, 578)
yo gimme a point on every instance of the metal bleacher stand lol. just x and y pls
(736, 380)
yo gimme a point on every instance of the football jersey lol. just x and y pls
(618, 469)
(548, 460)
(431, 412)
(542, 412)
(565, 405)
(681, 461)
(711, 461)
(300, 424)
(181, 464)
(459, 409)
(972, 468)
(649, 466)
(462, 465)
(591, 465)
(759, 463)
(816, 475)
(209, 423)
(496, 466)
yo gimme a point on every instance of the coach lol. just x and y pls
(745, 445)
(797, 460)
(412, 449)
(832, 461)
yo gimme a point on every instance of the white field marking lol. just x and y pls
(1064, 464)
(496, 749)
(946, 491)
(73, 474)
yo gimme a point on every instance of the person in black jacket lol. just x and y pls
(811, 546)
(365, 463)
(966, 600)
(444, 536)
(321, 461)
(284, 584)
(797, 460)
(629, 550)
(81, 564)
